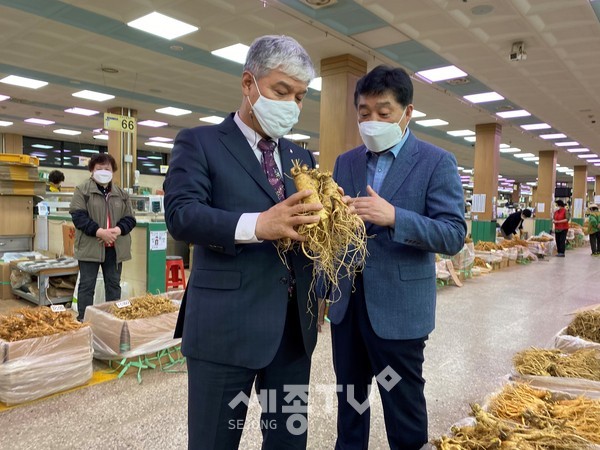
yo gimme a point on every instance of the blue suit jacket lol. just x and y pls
(236, 300)
(399, 276)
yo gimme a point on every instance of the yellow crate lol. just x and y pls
(15, 158)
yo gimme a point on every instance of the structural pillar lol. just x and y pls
(596, 189)
(123, 147)
(11, 143)
(545, 191)
(516, 193)
(485, 182)
(338, 130)
(579, 194)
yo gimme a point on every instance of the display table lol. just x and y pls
(42, 277)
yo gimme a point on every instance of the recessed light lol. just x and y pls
(510, 150)
(152, 123)
(316, 84)
(101, 137)
(442, 73)
(297, 137)
(212, 119)
(4, 123)
(159, 144)
(471, 138)
(23, 82)
(504, 146)
(593, 160)
(236, 53)
(42, 146)
(578, 150)
(588, 155)
(416, 114)
(531, 158)
(566, 144)
(431, 123)
(513, 114)
(67, 132)
(92, 95)
(536, 126)
(483, 97)
(172, 111)
(37, 121)
(460, 133)
(523, 155)
(4, 97)
(160, 139)
(163, 26)
(89, 150)
(82, 111)
(553, 136)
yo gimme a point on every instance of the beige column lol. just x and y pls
(579, 191)
(597, 186)
(11, 143)
(485, 180)
(546, 184)
(338, 130)
(123, 147)
(516, 193)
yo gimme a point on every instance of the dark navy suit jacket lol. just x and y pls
(236, 300)
(399, 276)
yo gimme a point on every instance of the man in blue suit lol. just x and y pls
(245, 316)
(409, 194)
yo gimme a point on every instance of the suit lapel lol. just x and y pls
(288, 154)
(401, 168)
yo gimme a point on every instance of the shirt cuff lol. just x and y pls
(245, 230)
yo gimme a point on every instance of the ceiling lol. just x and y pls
(68, 44)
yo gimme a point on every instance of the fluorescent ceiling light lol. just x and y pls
(92, 95)
(82, 111)
(39, 121)
(532, 183)
(163, 26)
(578, 150)
(566, 144)
(484, 97)
(431, 123)
(160, 139)
(593, 160)
(460, 133)
(101, 137)
(460, 167)
(155, 157)
(42, 146)
(316, 84)
(159, 144)
(510, 150)
(172, 111)
(212, 119)
(442, 73)
(236, 53)
(416, 114)
(563, 169)
(532, 158)
(297, 137)
(471, 138)
(67, 132)
(588, 155)
(4, 97)
(89, 150)
(513, 114)
(504, 146)
(535, 126)
(152, 123)
(523, 155)
(4, 123)
(23, 82)
(553, 136)
(316, 153)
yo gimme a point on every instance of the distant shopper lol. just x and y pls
(593, 231)
(55, 178)
(513, 222)
(103, 217)
(561, 226)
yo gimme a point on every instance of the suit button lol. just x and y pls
(283, 280)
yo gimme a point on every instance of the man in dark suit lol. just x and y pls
(244, 318)
(409, 194)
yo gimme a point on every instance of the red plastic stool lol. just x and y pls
(175, 272)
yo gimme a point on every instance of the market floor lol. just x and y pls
(479, 328)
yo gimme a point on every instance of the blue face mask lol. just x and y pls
(379, 136)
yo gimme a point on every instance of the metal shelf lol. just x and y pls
(43, 280)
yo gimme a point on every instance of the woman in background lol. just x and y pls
(561, 226)
(55, 178)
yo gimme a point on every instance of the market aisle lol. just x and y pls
(479, 328)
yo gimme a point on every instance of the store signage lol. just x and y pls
(116, 122)
(123, 304)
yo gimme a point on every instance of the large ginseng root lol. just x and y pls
(337, 243)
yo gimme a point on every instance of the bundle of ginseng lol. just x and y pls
(586, 325)
(27, 323)
(143, 307)
(337, 243)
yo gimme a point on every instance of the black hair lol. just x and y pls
(560, 203)
(384, 79)
(56, 177)
(526, 212)
(102, 158)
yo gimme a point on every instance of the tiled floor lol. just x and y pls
(479, 328)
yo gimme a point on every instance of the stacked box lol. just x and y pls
(5, 288)
(37, 367)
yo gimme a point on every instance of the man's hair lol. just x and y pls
(526, 212)
(383, 79)
(102, 158)
(279, 52)
(56, 177)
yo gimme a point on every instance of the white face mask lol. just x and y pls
(276, 117)
(380, 136)
(102, 176)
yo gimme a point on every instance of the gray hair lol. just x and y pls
(279, 52)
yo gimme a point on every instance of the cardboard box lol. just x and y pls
(116, 338)
(68, 232)
(37, 367)
(5, 289)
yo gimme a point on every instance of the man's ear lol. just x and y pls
(247, 82)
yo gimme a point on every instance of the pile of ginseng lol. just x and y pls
(483, 246)
(586, 325)
(491, 432)
(542, 409)
(27, 323)
(509, 243)
(143, 307)
(541, 238)
(337, 244)
(583, 363)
